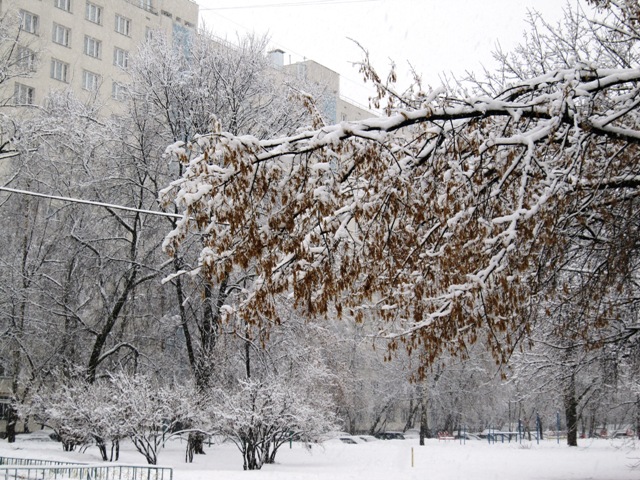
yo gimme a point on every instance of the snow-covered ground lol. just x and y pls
(379, 460)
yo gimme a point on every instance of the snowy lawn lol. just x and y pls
(379, 460)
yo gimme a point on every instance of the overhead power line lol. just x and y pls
(91, 202)
(308, 3)
(359, 83)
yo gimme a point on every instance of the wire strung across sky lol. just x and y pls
(91, 202)
(291, 4)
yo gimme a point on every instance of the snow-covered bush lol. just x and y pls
(152, 412)
(113, 408)
(80, 413)
(259, 416)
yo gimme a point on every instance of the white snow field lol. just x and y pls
(378, 460)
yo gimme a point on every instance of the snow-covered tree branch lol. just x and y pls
(438, 218)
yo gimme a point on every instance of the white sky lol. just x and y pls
(436, 36)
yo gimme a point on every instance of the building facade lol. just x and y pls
(85, 45)
(334, 108)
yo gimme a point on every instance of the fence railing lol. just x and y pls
(32, 462)
(82, 472)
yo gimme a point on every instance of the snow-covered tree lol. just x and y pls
(79, 413)
(151, 412)
(179, 94)
(95, 258)
(438, 218)
(451, 219)
(19, 57)
(112, 408)
(259, 416)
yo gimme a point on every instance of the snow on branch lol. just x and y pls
(442, 211)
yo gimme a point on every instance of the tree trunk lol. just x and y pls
(68, 445)
(102, 448)
(247, 355)
(449, 423)
(115, 450)
(638, 416)
(12, 420)
(251, 457)
(413, 408)
(195, 446)
(201, 362)
(380, 420)
(571, 411)
(114, 314)
(424, 419)
(269, 456)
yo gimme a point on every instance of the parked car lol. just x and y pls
(389, 436)
(367, 438)
(335, 435)
(349, 440)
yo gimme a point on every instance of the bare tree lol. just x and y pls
(185, 93)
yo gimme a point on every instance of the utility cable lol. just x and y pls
(91, 202)
(289, 4)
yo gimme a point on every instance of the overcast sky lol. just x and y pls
(435, 36)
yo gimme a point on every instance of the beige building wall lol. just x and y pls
(84, 45)
(349, 112)
(335, 108)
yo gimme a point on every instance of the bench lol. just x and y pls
(444, 435)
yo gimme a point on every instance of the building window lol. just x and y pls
(63, 5)
(118, 92)
(23, 94)
(61, 35)
(302, 70)
(92, 47)
(148, 33)
(146, 5)
(90, 81)
(26, 59)
(94, 13)
(59, 70)
(29, 22)
(120, 58)
(123, 25)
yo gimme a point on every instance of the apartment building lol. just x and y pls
(335, 108)
(86, 44)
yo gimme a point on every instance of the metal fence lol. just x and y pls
(31, 462)
(64, 471)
